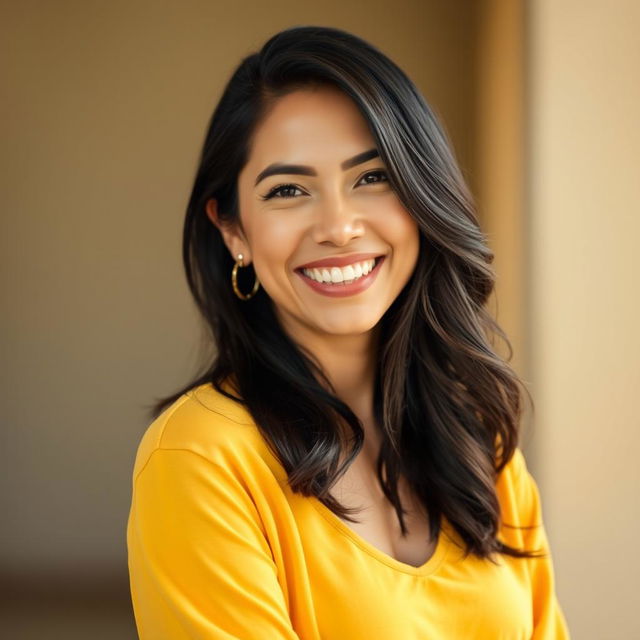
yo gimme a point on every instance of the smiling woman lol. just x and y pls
(339, 215)
(354, 375)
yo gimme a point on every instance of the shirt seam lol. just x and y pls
(159, 448)
(192, 394)
(189, 395)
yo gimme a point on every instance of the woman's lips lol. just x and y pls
(340, 290)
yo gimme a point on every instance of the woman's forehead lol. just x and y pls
(309, 127)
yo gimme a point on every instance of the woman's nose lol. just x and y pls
(337, 221)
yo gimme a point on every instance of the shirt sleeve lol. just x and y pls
(548, 619)
(200, 566)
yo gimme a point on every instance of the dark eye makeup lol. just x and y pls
(279, 190)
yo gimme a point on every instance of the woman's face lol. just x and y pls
(325, 216)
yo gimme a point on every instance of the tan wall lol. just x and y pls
(105, 110)
(584, 230)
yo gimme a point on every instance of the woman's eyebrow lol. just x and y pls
(304, 170)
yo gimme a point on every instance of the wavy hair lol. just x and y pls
(447, 404)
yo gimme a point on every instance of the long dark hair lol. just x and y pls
(448, 406)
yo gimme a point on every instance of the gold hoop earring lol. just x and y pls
(234, 280)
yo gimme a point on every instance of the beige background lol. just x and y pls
(103, 113)
(583, 226)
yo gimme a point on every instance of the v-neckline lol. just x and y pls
(426, 568)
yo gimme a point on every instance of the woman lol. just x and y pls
(347, 467)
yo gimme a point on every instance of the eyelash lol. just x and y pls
(272, 193)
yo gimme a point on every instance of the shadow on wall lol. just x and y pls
(35, 608)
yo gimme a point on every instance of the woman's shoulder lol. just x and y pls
(514, 468)
(205, 422)
(518, 494)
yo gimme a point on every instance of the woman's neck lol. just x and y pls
(349, 362)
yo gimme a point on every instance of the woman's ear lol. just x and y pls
(233, 237)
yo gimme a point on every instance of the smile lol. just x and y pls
(342, 281)
(338, 275)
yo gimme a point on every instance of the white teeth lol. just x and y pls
(337, 275)
(349, 273)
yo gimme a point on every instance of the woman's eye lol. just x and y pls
(288, 190)
(374, 174)
(281, 190)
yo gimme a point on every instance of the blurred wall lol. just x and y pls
(104, 110)
(584, 224)
(499, 167)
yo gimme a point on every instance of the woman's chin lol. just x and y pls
(350, 320)
(345, 326)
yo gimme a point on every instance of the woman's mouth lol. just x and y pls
(342, 281)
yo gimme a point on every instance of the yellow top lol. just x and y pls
(219, 547)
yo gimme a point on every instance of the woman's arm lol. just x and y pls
(200, 565)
